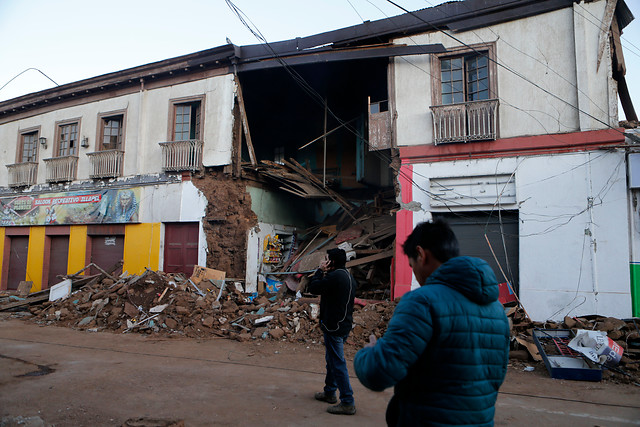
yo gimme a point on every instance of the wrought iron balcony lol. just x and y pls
(106, 164)
(181, 155)
(61, 169)
(22, 174)
(469, 121)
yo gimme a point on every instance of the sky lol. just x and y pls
(71, 40)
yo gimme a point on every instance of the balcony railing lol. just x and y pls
(181, 155)
(61, 169)
(470, 121)
(22, 174)
(106, 164)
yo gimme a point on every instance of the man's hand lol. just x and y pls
(372, 341)
(324, 265)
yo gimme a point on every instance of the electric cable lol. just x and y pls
(24, 71)
(517, 74)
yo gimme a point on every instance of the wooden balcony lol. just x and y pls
(469, 121)
(181, 155)
(61, 169)
(22, 174)
(106, 164)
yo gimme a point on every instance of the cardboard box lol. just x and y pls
(204, 273)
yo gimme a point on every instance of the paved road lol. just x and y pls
(103, 379)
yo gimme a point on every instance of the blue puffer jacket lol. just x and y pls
(446, 349)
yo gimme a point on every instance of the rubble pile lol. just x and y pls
(160, 303)
(625, 333)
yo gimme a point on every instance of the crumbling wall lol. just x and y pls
(227, 221)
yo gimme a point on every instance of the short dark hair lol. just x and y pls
(435, 236)
(338, 257)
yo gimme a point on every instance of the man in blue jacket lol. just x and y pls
(447, 345)
(337, 289)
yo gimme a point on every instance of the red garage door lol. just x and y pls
(106, 251)
(19, 248)
(58, 258)
(180, 247)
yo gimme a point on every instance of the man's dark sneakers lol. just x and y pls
(342, 409)
(329, 398)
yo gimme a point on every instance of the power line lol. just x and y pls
(513, 71)
(24, 71)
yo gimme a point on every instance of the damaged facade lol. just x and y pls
(204, 159)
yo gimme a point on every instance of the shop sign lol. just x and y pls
(75, 207)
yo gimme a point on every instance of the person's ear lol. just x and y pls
(422, 255)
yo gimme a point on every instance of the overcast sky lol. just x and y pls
(70, 40)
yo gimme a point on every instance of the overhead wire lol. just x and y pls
(24, 71)
(322, 102)
(509, 69)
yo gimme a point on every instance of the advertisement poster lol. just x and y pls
(74, 207)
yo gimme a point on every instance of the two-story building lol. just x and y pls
(502, 116)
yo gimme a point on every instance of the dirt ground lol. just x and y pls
(67, 377)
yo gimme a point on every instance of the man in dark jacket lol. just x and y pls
(337, 289)
(447, 345)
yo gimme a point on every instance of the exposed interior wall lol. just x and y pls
(277, 207)
(227, 221)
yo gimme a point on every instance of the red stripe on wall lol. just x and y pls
(404, 226)
(509, 147)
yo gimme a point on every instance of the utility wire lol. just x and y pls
(24, 71)
(635, 138)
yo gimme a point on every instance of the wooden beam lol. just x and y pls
(605, 27)
(365, 260)
(245, 122)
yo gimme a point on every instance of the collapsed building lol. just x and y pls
(253, 160)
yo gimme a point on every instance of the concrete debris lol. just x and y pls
(130, 305)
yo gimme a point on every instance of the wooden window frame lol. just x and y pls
(20, 145)
(59, 125)
(101, 124)
(436, 76)
(172, 114)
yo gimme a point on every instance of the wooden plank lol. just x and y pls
(28, 301)
(605, 26)
(245, 121)
(371, 258)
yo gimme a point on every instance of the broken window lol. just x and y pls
(67, 139)
(111, 132)
(28, 147)
(187, 120)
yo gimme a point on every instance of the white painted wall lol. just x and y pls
(147, 119)
(538, 49)
(177, 202)
(573, 260)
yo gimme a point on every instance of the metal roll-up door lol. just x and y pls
(502, 232)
